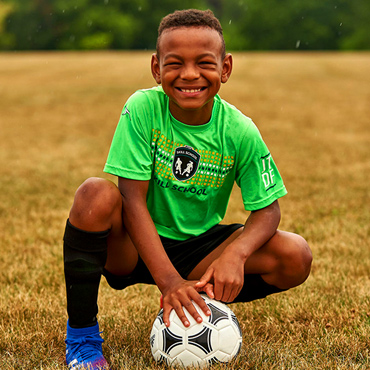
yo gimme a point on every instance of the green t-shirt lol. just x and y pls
(191, 169)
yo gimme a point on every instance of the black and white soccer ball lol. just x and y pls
(217, 339)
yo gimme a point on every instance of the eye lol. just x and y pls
(172, 64)
(207, 64)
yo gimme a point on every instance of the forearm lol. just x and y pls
(260, 226)
(145, 238)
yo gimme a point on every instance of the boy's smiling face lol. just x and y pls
(191, 68)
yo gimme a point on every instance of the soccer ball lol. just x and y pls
(217, 339)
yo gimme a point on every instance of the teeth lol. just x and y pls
(190, 91)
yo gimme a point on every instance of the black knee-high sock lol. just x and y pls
(255, 288)
(85, 254)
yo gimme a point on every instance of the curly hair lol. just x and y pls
(191, 18)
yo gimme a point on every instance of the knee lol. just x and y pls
(96, 200)
(296, 259)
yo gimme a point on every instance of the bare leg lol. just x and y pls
(98, 206)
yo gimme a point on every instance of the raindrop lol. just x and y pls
(297, 44)
(230, 21)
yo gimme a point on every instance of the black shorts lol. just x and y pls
(184, 255)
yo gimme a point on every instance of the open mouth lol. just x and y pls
(190, 90)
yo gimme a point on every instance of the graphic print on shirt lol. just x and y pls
(185, 163)
(267, 172)
(126, 111)
(210, 171)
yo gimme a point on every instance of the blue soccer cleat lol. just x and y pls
(84, 349)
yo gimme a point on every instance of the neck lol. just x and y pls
(193, 117)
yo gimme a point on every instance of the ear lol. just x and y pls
(227, 67)
(156, 71)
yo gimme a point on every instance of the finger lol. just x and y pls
(235, 293)
(208, 289)
(166, 314)
(227, 292)
(202, 305)
(231, 291)
(181, 314)
(206, 278)
(238, 290)
(218, 290)
(190, 308)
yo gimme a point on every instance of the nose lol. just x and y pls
(189, 72)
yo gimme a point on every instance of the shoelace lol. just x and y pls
(94, 342)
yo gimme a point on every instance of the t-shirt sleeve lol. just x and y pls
(130, 152)
(256, 173)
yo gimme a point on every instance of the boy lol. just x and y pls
(177, 151)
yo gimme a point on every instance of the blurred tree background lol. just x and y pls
(132, 24)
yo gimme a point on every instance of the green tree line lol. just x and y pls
(132, 24)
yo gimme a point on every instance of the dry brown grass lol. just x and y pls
(58, 112)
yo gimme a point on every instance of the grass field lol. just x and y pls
(58, 112)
